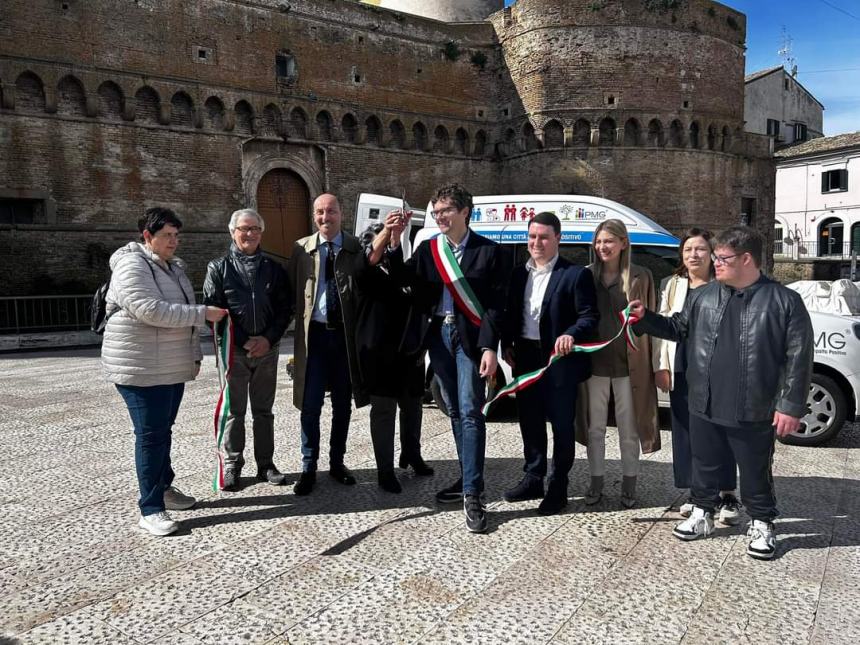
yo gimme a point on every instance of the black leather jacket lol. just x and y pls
(261, 309)
(776, 347)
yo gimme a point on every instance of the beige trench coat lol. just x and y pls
(641, 373)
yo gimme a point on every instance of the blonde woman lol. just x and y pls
(618, 370)
(670, 366)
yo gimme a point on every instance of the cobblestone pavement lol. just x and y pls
(355, 564)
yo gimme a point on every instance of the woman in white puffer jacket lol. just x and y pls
(151, 348)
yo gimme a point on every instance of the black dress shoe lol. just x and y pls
(305, 484)
(342, 475)
(421, 467)
(388, 482)
(271, 475)
(555, 500)
(452, 494)
(530, 487)
(231, 481)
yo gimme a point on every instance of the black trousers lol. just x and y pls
(383, 414)
(538, 404)
(713, 445)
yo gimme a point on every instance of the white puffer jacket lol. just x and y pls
(154, 338)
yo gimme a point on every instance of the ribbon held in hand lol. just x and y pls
(224, 362)
(525, 380)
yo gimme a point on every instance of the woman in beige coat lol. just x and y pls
(626, 373)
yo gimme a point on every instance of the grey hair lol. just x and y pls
(242, 212)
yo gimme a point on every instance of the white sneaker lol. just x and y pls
(176, 500)
(762, 543)
(686, 509)
(729, 510)
(158, 523)
(699, 524)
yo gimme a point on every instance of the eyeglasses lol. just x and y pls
(443, 212)
(723, 259)
(250, 229)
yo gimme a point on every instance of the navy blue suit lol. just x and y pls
(569, 306)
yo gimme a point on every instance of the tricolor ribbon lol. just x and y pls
(525, 380)
(224, 362)
(448, 267)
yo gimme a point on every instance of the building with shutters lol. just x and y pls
(205, 106)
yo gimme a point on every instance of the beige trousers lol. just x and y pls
(598, 388)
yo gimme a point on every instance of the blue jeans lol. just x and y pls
(152, 410)
(327, 366)
(464, 395)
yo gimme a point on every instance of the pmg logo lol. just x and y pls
(582, 214)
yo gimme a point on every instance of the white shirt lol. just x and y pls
(536, 284)
(446, 302)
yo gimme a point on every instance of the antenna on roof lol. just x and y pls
(788, 61)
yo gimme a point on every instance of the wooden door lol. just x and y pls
(284, 202)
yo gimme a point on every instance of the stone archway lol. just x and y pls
(283, 199)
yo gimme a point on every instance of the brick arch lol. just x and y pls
(30, 92)
(530, 140)
(676, 134)
(71, 96)
(373, 128)
(324, 122)
(632, 132)
(349, 128)
(461, 142)
(480, 148)
(111, 101)
(606, 132)
(244, 117)
(581, 132)
(397, 134)
(726, 139)
(553, 134)
(711, 138)
(441, 139)
(419, 136)
(214, 114)
(273, 122)
(181, 110)
(298, 127)
(695, 135)
(656, 135)
(294, 162)
(147, 104)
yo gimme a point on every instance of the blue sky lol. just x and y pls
(825, 36)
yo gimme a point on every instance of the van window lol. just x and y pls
(660, 260)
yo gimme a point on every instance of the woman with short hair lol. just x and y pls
(151, 348)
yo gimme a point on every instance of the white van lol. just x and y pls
(373, 208)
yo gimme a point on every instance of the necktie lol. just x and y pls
(332, 303)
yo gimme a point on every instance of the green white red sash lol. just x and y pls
(224, 362)
(456, 283)
(525, 380)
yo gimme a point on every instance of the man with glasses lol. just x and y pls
(749, 364)
(460, 327)
(255, 290)
(325, 270)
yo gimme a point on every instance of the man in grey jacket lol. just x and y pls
(255, 290)
(749, 355)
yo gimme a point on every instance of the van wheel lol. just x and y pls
(436, 391)
(826, 412)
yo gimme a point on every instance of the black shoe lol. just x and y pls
(476, 516)
(452, 494)
(271, 475)
(231, 481)
(305, 484)
(388, 482)
(555, 499)
(421, 467)
(530, 487)
(342, 475)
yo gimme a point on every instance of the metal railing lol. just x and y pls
(798, 249)
(42, 314)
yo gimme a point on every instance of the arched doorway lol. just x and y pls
(830, 237)
(284, 202)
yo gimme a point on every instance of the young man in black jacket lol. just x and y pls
(749, 364)
(256, 291)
